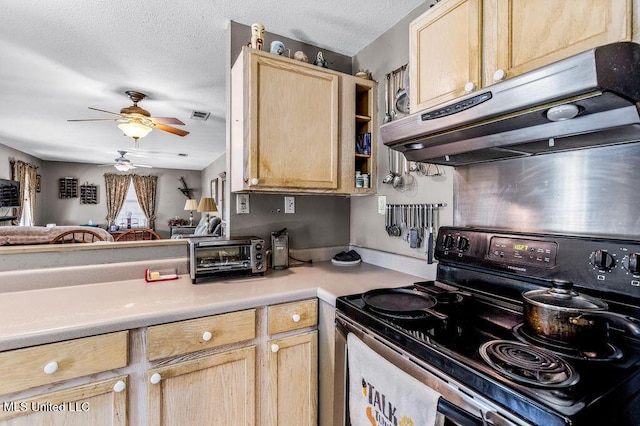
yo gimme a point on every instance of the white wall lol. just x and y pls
(388, 52)
(170, 201)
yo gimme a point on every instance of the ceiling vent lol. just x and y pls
(199, 115)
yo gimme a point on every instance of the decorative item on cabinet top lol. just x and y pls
(320, 61)
(300, 56)
(257, 36)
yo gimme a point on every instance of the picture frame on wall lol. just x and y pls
(38, 183)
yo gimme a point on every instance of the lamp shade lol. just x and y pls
(191, 204)
(134, 129)
(207, 205)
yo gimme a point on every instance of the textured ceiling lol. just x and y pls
(61, 56)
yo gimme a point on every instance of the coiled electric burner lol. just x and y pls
(528, 364)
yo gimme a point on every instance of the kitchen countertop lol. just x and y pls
(41, 316)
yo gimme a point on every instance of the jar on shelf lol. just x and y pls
(365, 180)
(359, 180)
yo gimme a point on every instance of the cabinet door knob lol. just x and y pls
(275, 348)
(119, 386)
(499, 75)
(155, 378)
(206, 336)
(469, 87)
(254, 181)
(51, 367)
(295, 318)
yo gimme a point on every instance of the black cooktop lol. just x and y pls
(453, 346)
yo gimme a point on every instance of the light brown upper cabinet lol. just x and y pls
(293, 126)
(459, 46)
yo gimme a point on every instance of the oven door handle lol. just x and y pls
(457, 414)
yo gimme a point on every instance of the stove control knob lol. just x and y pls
(602, 259)
(448, 241)
(630, 263)
(463, 243)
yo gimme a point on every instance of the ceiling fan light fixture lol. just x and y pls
(123, 167)
(134, 129)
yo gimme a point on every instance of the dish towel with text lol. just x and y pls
(380, 394)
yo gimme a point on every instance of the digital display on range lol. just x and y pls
(524, 252)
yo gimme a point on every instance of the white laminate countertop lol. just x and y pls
(35, 317)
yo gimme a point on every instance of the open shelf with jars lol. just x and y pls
(364, 179)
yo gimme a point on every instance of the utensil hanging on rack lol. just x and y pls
(392, 174)
(430, 235)
(415, 223)
(406, 181)
(387, 116)
(402, 96)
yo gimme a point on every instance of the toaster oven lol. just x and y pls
(213, 257)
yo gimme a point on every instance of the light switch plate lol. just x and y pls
(242, 204)
(382, 203)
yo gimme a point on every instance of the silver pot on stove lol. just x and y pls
(565, 316)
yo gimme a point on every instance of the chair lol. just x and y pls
(77, 236)
(138, 234)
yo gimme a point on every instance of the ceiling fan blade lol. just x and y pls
(142, 165)
(108, 112)
(97, 119)
(167, 120)
(170, 129)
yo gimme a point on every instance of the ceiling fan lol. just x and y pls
(123, 164)
(137, 122)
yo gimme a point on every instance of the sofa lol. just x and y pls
(215, 229)
(21, 235)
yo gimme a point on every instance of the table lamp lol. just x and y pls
(207, 205)
(192, 205)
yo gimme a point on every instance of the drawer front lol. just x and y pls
(292, 316)
(40, 365)
(184, 337)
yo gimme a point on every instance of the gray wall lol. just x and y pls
(170, 201)
(319, 221)
(383, 55)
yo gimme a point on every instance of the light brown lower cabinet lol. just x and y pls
(99, 403)
(292, 389)
(213, 390)
(245, 368)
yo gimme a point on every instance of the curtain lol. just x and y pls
(145, 187)
(20, 171)
(116, 187)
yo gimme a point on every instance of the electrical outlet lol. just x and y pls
(289, 205)
(242, 203)
(382, 203)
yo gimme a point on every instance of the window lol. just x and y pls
(131, 209)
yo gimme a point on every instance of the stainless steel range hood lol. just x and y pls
(512, 118)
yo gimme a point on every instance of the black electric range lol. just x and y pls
(478, 321)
